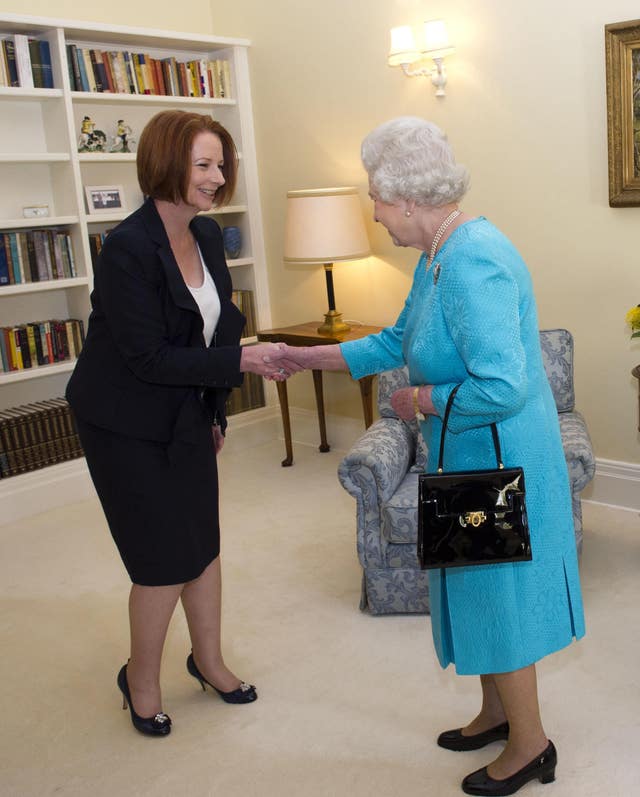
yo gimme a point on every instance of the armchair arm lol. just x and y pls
(371, 472)
(577, 449)
(387, 449)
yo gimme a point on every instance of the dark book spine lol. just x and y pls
(24, 346)
(4, 264)
(36, 64)
(12, 66)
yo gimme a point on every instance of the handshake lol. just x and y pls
(277, 361)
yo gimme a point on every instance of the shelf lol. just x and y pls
(107, 157)
(46, 221)
(37, 372)
(34, 157)
(120, 215)
(17, 93)
(240, 261)
(146, 99)
(227, 209)
(45, 285)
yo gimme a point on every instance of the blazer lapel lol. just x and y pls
(177, 288)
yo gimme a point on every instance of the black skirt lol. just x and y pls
(162, 511)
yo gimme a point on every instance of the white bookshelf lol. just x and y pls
(39, 162)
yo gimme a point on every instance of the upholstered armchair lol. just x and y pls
(381, 473)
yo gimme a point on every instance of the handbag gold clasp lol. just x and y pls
(473, 518)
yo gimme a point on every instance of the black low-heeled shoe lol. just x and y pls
(543, 767)
(245, 693)
(454, 740)
(159, 725)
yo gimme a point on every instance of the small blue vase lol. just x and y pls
(232, 240)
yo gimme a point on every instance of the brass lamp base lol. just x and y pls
(333, 325)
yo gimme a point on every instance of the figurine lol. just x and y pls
(91, 140)
(123, 140)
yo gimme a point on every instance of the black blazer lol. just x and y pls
(144, 370)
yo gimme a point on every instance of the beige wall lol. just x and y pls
(525, 111)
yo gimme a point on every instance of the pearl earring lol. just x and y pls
(407, 213)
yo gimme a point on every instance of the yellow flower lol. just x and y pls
(633, 319)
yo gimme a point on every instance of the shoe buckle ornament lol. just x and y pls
(474, 518)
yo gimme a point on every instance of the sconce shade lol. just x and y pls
(324, 225)
(403, 47)
(436, 39)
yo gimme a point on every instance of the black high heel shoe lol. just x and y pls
(454, 740)
(245, 693)
(160, 725)
(542, 767)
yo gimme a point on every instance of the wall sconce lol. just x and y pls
(404, 52)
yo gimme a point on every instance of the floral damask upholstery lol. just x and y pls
(381, 473)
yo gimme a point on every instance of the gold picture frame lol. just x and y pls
(622, 46)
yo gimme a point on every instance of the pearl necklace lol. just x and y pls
(439, 233)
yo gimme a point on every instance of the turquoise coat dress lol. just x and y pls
(471, 319)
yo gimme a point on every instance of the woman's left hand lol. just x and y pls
(218, 438)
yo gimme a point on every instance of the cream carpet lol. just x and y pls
(349, 704)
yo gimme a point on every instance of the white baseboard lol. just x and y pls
(615, 483)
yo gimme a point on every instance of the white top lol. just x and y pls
(208, 301)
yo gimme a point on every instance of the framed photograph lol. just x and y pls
(104, 198)
(622, 44)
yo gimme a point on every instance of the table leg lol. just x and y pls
(366, 392)
(317, 383)
(286, 422)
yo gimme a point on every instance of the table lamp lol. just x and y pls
(325, 225)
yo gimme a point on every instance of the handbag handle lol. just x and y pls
(494, 433)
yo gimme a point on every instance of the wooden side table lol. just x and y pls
(636, 372)
(307, 335)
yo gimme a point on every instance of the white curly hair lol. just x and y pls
(410, 158)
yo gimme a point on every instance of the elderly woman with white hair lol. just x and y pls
(470, 320)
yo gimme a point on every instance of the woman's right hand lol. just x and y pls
(269, 360)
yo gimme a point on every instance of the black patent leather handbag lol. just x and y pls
(475, 517)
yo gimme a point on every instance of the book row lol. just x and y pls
(40, 343)
(123, 72)
(25, 62)
(35, 256)
(249, 396)
(243, 300)
(35, 435)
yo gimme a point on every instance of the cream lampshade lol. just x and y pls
(325, 225)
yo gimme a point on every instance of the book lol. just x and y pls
(9, 50)
(36, 63)
(45, 61)
(98, 74)
(4, 72)
(18, 271)
(31, 255)
(9, 256)
(23, 61)
(4, 264)
(131, 73)
(74, 70)
(119, 69)
(41, 250)
(82, 70)
(16, 352)
(4, 354)
(88, 69)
